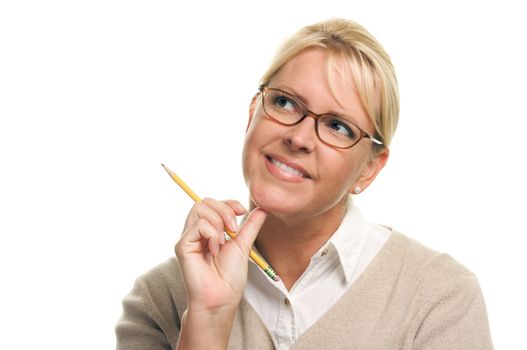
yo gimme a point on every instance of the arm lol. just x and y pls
(457, 321)
(214, 271)
(211, 271)
(139, 327)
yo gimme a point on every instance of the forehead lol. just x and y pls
(323, 81)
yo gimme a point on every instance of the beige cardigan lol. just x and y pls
(410, 297)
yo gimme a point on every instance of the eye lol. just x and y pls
(340, 128)
(283, 102)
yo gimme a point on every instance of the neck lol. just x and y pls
(288, 243)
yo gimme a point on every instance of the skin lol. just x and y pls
(305, 212)
(214, 270)
(292, 215)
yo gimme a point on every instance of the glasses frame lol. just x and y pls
(308, 113)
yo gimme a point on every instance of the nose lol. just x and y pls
(302, 136)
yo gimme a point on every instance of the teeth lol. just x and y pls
(286, 168)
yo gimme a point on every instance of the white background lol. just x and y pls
(94, 95)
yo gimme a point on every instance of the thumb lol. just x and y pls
(250, 229)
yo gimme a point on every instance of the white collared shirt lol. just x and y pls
(331, 271)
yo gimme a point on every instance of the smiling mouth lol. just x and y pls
(287, 169)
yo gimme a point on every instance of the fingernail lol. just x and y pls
(234, 225)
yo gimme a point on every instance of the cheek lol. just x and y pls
(341, 171)
(245, 157)
(259, 133)
(250, 148)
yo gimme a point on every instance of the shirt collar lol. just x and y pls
(348, 241)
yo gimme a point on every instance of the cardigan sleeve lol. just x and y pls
(139, 327)
(151, 311)
(458, 320)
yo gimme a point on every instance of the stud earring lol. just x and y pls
(357, 190)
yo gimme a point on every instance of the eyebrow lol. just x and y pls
(293, 92)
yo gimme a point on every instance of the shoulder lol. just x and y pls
(161, 291)
(441, 294)
(165, 273)
(431, 278)
(423, 274)
(164, 284)
(152, 310)
(419, 259)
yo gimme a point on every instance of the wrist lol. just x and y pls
(211, 316)
(206, 329)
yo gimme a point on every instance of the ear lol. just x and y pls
(252, 109)
(370, 171)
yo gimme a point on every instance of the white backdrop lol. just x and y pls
(94, 95)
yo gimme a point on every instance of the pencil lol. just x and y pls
(256, 258)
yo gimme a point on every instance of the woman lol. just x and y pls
(318, 133)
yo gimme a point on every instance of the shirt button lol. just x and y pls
(324, 252)
(287, 302)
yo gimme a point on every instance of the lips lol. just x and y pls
(287, 167)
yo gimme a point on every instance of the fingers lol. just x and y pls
(238, 208)
(209, 234)
(250, 229)
(222, 214)
(207, 221)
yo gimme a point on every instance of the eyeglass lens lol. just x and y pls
(288, 110)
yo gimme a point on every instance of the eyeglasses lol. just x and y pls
(286, 109)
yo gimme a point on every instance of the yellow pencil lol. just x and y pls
(256, 258)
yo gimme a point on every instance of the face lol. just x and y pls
(288, 170)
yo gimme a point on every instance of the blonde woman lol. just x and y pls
(318, 133)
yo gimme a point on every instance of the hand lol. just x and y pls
(215, 270)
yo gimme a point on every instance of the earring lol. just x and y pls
(357, 190)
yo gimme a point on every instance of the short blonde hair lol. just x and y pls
(371, 67)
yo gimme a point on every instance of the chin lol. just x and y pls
(284, 204)
(271, 201)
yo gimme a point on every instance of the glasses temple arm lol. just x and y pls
(373, 139)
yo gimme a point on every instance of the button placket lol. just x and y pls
(286, 323)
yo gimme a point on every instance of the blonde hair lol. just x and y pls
(370, 66)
